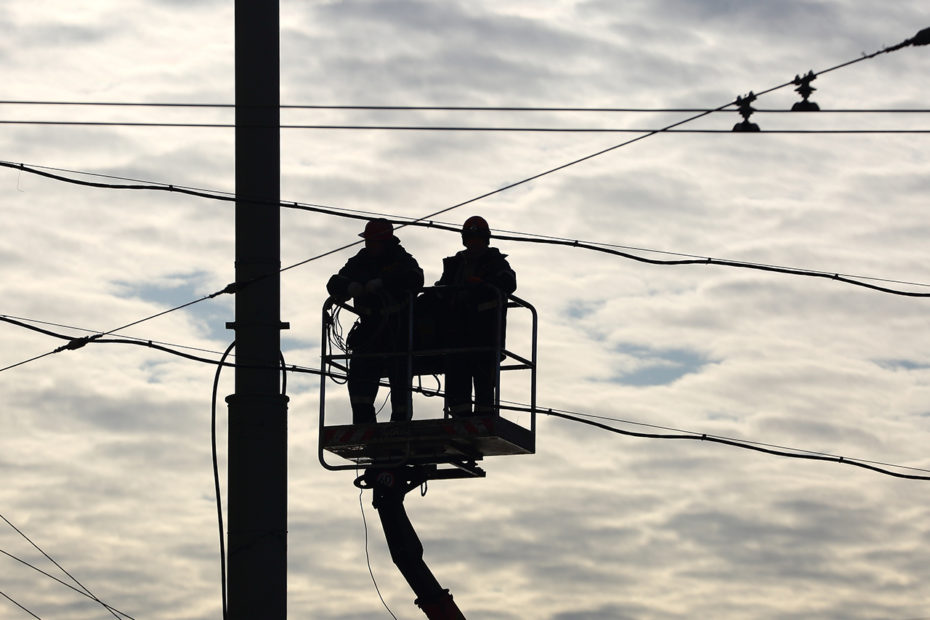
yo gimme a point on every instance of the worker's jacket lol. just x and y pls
(382, 312)
(482, 284)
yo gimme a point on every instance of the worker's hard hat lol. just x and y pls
(378, 229)
(476, 226)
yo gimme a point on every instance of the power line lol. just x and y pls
(922, 38)
(77, 343)
(463, 129)
(605, 248)
(22, 322)
(746, 445)
(7, 597)
(54, 578)
(61, 568)
(698, 435)
(767, 448)
(456, 108)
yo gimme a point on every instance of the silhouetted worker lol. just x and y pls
(477, 317)
(380, 278)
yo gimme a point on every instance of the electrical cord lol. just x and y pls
(371, 572)
(216, 471)
(216, 475)
(921, 38)
(77, 343)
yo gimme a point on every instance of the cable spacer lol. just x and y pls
(77, 343)
(746, 110)
(921, 38)
(805, 89)
(231, 288)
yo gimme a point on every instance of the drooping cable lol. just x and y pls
(601, 247)
(371, 571)
(426, 108)
(918, 39)
(737, 444)
(216, 476)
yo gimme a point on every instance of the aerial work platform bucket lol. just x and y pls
(452, 444)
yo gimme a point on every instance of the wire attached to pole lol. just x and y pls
(216, 476)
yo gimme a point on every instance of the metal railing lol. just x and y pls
(427, 354)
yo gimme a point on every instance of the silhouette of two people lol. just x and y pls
(469, 306)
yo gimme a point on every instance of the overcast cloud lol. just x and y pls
(105, 451)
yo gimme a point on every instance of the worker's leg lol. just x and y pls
(458, 385)
(364, 376)
(400, 389)
(484, 370)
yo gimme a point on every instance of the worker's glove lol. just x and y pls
(356, 289)
(373, 286)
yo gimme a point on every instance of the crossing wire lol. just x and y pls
(54, 578)
(579, 417)
(61, 568)
(920, 39)
(9, 598)
(611, 249)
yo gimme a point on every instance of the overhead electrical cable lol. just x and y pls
(697, 435)
(77, 343)
(768, 448)
(738, 444)
(605, 248)
(446, 108)
(921, 38)
(466, 128)
(169, 348)
(61, 568)
(18, 604)
(64, 583)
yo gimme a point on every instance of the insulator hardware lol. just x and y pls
(805, 89)
(746, 110)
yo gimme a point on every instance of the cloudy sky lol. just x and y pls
(105, 451)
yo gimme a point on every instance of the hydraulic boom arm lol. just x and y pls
(389, 487)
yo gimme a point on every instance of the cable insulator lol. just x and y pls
(805, 89)
(921, 38)
(746, 110)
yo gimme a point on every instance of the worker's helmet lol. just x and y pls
(378, 229)
(476, 226)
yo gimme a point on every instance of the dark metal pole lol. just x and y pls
(257, 522)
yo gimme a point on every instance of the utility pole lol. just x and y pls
(257, 491)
